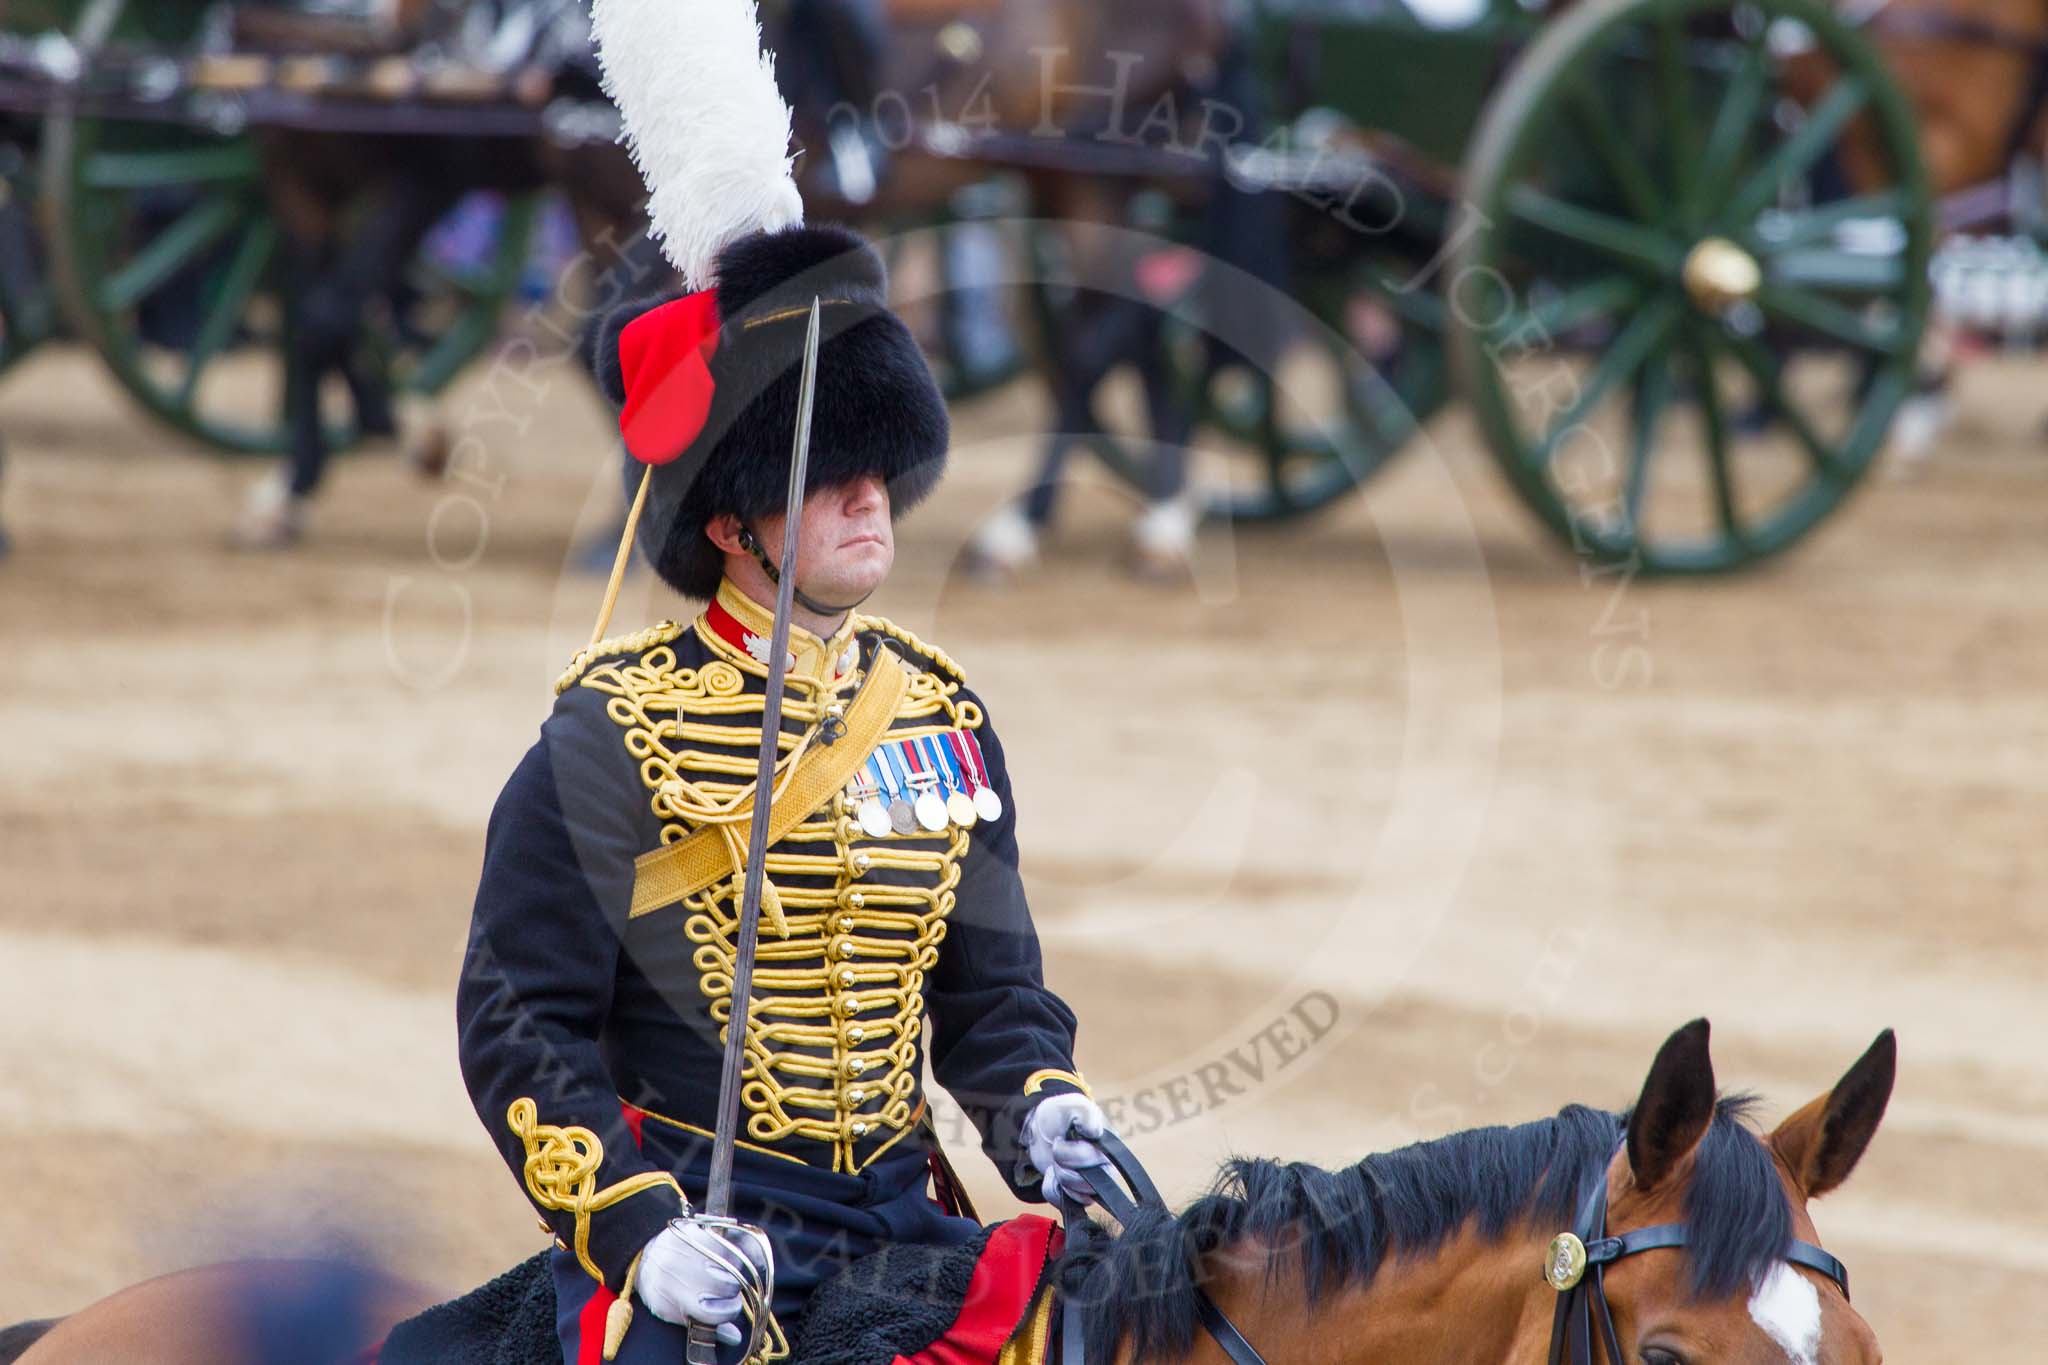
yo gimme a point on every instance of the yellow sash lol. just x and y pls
(668, 874)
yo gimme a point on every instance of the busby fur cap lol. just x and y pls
(877, 408)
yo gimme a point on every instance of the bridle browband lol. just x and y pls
(1576, 1267)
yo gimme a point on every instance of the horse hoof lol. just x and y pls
(1916, 432)
(273, 518)
(1005, 546)
(1163, 541)
(423, 437)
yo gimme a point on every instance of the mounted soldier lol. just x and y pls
(615, 924)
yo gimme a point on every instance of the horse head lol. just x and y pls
(1731, 1297)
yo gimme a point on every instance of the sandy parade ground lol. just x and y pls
(1384, 823)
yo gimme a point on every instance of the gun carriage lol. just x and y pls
(1620, 231)
(147, 137)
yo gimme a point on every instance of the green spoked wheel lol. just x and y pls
(167, 258)
(1689, 294)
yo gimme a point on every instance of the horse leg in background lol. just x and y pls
(328, 295)
(1245, 276)
(1101, 331)
(1163, 537)
(1925, 415)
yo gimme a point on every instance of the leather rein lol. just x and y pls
(1123, 1208)
(1575, 1265)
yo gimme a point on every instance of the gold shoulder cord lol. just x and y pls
(638, 642)
(882, 625)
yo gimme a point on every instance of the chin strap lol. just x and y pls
(752, 544)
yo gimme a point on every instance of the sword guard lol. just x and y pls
(749, 1257)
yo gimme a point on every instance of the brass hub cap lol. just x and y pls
(1719, 274)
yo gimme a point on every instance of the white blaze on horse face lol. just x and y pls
(1787, 1306)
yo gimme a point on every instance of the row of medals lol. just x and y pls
(933, 801)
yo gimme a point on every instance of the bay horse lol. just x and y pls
(1434, 1252)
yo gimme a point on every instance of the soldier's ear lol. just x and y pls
(727, 533)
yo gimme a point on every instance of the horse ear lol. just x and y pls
(1822, 1142)
(1675, 1109)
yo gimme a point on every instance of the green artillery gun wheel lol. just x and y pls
(1688, 294)
(167, 258)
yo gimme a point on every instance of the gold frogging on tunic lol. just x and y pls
(832, 1053)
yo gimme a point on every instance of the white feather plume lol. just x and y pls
(704, 122)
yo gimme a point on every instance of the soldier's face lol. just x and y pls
(846, 544)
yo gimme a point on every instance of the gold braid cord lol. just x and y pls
(832, 1054)
(561, 1174)
(1031, 1345)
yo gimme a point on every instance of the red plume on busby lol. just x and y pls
(707, 381)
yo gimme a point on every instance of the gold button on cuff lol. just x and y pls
(856, 900)
(860, 1130)
(846, 978)
(857, 1065)
(845, 949)
(857, 1033)
(862, 861)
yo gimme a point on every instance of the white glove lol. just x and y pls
(683, 1279)
(1060, 1158)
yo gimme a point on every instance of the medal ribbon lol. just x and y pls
(885, 777)
(956, 750)
(893, 760)
(942, 760)
(970, 749)
(908, 750)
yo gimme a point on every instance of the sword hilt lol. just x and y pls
(703, 1348)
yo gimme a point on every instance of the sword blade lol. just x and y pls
(718, 1188)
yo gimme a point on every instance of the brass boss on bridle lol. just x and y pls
(1576, 1264)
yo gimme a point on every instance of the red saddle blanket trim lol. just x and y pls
(1006, 1279)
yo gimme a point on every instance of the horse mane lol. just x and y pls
(1338, 1227)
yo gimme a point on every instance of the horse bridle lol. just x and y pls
(1576, 1267)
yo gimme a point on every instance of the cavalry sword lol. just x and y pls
(718, 1186)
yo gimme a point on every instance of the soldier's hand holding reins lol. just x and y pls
(1061, 1138)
